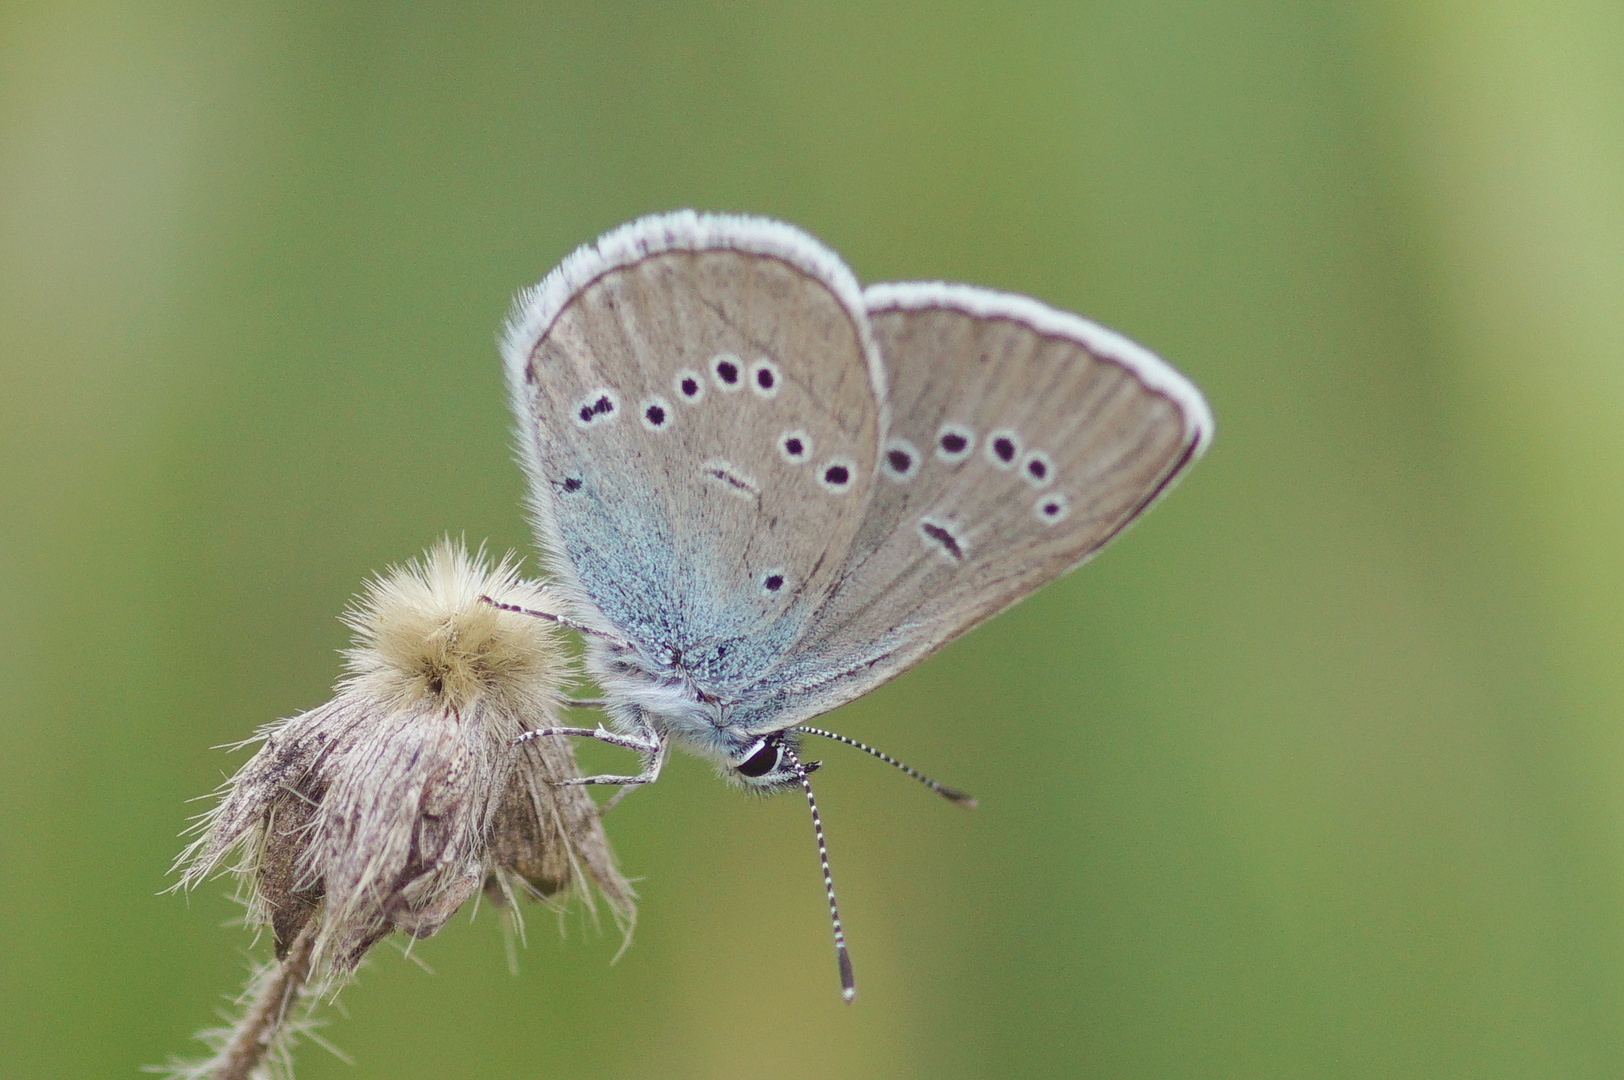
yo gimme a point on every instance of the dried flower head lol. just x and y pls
(394, 802)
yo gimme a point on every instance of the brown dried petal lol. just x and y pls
(546, 834)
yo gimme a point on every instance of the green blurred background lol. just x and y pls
(1318, 773)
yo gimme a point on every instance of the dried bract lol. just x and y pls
(394, 802)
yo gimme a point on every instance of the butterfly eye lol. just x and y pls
(762, 762)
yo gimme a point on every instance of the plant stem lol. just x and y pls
(263, 1021)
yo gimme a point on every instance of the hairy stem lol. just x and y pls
(263, 1021)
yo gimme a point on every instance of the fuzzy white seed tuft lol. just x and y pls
(424, 635)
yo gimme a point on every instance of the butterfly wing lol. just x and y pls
(698, 399)
(1022, 439)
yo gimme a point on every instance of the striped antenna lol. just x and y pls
(951, 794)
(848, 980)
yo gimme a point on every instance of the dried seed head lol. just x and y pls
(391, 804)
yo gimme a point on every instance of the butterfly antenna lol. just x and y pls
(951, 794)
(848, 980)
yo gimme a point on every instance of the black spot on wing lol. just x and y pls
(943, 538)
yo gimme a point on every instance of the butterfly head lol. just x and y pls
(769, 763)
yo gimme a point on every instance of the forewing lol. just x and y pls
(699, 416)
(1021, 440)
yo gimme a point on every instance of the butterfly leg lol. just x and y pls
(651, 770)
(561, 620)
(619, 796)
(647, 743)
(616, 799)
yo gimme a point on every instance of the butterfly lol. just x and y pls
(764, 490)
